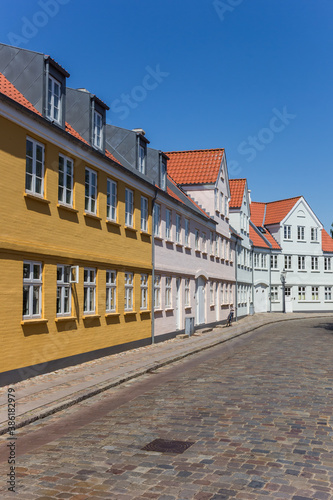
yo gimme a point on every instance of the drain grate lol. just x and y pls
(168, 446)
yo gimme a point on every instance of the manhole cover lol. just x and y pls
(166, 446)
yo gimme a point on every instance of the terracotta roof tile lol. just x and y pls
(110, 155)
(257, 213)
(257, 240)
(237, 187)
(8, 89)
(195, 167)
(277, 210)
(272, 240)
(73, 132)
(326, 241)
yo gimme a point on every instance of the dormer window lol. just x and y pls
(98, 128)
(163, 174)
(142, 159)
(53, 100)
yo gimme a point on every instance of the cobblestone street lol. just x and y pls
(258, 411)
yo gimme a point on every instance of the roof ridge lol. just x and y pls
(195, 150)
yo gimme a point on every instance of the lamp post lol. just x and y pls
(283, 281)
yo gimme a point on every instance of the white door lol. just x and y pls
(201, 301)
(178, 305)
(261, 298)
(289, 300)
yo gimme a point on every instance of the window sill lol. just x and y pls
(129, 228)
(109, 314)
(33, 321)
(112, 222)
(31, 196)
(92, 216)
(158, 310)
(145, 233)
(67, 207)
(65, 318)
(204, 253)
(328, 301)
(187, 247)
(158, 238)
(91, 316)
(315, 271)
(169, 309)
(302, 271)
(167, 241)
(301, 241)
(328, 272)
(197, 251)
(179, 245)
(145, 311)
(187, 308)
(129, 313)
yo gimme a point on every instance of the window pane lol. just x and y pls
(36, 272)
(26, 300)
(58, 300)
(26, 271)
(35, 304)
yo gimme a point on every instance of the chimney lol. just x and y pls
(139, 131)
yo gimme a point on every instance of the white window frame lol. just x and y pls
(187, 287)
(287, 262)
(327, 264)
(128, 289)
(328, 293)
(144, 214)
(64, 290)
(111, 291)
(216, 202)
(142, 159)
(274, 262)
(314, 234)
(287, 234)
(98, 130)
(178, 228)
(226, 206)
(211, 293)
(33, 284)
(89, 290)
(163, 174)
(301, 293)
(187, 232)
(301, 263)
(168, 224)
(35, 166)
(144, 292)
(275, 294)
(287, 291)
(65, 185)
(314, 264)
(197, 240)
(90, 195)
(315, 293)
(111, 201)
(129, 207)
(157, 291)
(300, 233)
(157, 220)
(168, 292)
(221, 203)
(52, 96)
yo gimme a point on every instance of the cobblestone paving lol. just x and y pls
(260, 420)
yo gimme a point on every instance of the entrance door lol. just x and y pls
(201, 301)
(178, 305)
(289, 300)
(261, 298)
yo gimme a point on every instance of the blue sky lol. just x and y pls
(252, 76)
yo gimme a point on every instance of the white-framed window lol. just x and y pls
(98, 130)
(142, 159)
(275, 293)
(187, 292)
(301, 293)
(301, 263)
(287, 262)
(315, 292)
(314, 234)
(187, 232)
(221, 203)
(163, 175)
(89, 290)
(144, 291)
(157, 219)
(287, 291)
(34, 174)
(90, 191)
(314, 264)
(54, 100)
(328, 293)
(157, 292)
(226, 206)
(111, 200)
(216, 199)
(263, 261)
(231, 299)
(256, 258)
(204, 243)
(178, 228)
(65, 181)
(111, 291)
(168, 300)
(32, 289)
(197, 240)
(129, 207)
(300, 233)
(168, 224)
(211, 243)
(274, 261)
(287, 232)
(128, 304)
(144, 214)
(63, 290)
(327, 264)
(211, 293)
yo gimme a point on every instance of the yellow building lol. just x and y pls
(75, 246)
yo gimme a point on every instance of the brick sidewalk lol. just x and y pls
(46, 394)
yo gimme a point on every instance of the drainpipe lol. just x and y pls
(252, 280)
(270, 283)
(153, 271)
(236, 284)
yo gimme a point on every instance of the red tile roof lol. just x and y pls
(110, 155)
(73, 132)
(326, 241)
(237, 187)
(195, 167)
(276, 211)
(257, 213)
(257, 240)
(272, 240)
(8, 89)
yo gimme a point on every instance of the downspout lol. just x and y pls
(236, 284)
(153, 271)
(270, 282)
(252, 280)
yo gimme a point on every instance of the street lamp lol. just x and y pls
(283, 281)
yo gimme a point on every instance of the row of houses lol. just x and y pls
(108, 244)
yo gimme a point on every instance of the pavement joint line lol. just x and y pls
(76, 398)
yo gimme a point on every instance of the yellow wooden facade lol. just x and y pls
(40, 230)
